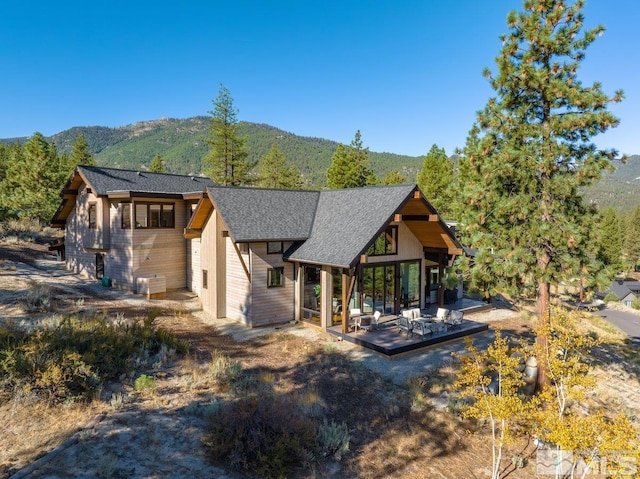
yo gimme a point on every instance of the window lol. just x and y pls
(93, 211)
(205, 279)
(274, 247)
(126, 215)
(243, 248)
(386, 243)
(155, 215)
(275, 277)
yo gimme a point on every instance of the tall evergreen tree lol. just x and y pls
(227, 162)
(436, 180)
(350, 166)
(393, 177)
(529, 154)
(80, 154)
(34, 177)
(157, 164)
(275, 172)
(610, 244)
(631, 248)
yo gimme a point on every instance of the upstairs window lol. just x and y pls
(93, 216)
(386, 243)
(274, 247)
(155, 215)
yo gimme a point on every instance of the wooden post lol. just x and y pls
(440, 278)
(345, 301)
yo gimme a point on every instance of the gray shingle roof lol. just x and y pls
(258, 214)
(105, 180)
(346, 221)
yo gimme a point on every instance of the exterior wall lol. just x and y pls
(409, 248)
(237, 288)
(194, 266)
(161, 251)
(117, 262)
(81, 242)
(208, 262)
(269, 305)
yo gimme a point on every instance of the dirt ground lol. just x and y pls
(127, 433)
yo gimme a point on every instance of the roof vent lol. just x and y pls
(193, 178)
(138, 173)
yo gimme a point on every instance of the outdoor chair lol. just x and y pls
(442, 314)
(363, 322)
(376, 319)
(354, 314)
(404, 323)
(421, 327)
(455, 319)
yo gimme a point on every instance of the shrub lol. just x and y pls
(611, 297)
(39, 298)
(70, 359)
(144, 383)
(265, 436)
(332, 439)
(635, 304)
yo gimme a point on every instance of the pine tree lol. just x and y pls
(80, 154)
(227, 161)
(275, 172)
(34, 177)
(436, 180)
(610, 244)
(350, 166)
(157, 164)
(529, 154)
(393, 177)
(631, 248)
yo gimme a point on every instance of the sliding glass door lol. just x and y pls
(388, 288)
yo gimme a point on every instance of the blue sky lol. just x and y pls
(407, 74)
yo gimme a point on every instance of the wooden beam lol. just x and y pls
(244, 266)
(191, 233)
(397, 218)
(417, 195)
(345, 301)
(363, 258)
(434, 218)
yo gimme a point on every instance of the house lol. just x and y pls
(626, 291)
(128, 225)
(260, 256)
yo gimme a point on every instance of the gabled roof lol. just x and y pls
(330, 227)
(115, 183)
(109, 180)
(260, 214)
(347, 221)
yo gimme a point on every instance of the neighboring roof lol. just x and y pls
(621, 289)
(347, 221)
(260, 214)
(106, 180)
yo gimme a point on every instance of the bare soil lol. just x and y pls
(128, 433)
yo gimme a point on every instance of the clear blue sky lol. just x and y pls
(408, 74)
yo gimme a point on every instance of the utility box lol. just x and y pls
(154, 287)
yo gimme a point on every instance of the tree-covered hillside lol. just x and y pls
(181, 144)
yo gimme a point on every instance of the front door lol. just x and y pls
(99, 265)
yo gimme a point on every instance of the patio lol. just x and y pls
(390, 341)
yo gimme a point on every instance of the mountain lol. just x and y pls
(182, 146)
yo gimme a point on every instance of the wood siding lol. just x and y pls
(194, 266)
(208, 262)
(270, 305)
(237, 287)
(161, 251)
(118, 261)
(409, 247)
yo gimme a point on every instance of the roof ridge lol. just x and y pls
(100, 168)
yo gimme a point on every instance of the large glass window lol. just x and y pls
(311, 294)
(409, 285)
(386, 243)
(155, 215)
(274, 247)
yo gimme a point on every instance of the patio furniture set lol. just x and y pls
(412, 321)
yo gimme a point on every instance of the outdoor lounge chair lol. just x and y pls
(421, 327)
(376, 318)
(363, 322)
(454, 320)
(404, 323)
